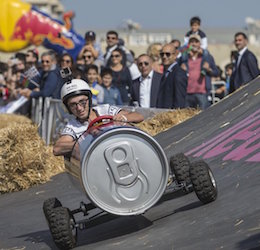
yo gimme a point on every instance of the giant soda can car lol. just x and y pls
(123, 170)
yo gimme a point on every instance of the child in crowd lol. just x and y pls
(96, 89)
(195, 29)
(112, 95)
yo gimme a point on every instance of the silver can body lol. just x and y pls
(123, 170)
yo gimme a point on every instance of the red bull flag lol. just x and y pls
(21, 25)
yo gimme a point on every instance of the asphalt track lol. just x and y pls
(226, 136)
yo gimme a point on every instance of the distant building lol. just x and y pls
(253, 30)
(52, 7)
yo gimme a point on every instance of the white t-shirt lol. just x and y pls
(75, 128)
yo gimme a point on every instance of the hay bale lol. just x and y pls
(24, 159)
(9, 119)
(166, 120)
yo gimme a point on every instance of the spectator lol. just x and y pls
(112, 95)
(228, 73)
(112, 44)
(195, 29)
(96, 89)
(177, 45)
(66, 61)
(200, 67)
(173, 84)
(15, 74)
(134, 71)
(88, 58)
(49, 79)
(4, 90)
(145, 88)
(32, 58)
(94, 47)
(78, 74)
(224, 90)
(246, 65)
(233, 56)
(121, 75)
(154, 52)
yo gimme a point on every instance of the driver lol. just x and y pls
(77, 97)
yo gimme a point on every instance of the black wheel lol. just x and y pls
(63, 228)
(180, 166)
(204, 183)
(49, 205)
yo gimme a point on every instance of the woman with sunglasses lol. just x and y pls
(66, 61)
(121, 75)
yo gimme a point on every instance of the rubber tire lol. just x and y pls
(204, 183)
(180, 167)
(60, 226)
(49, 205)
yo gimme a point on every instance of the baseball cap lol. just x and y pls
(90, 35)
(195, 36)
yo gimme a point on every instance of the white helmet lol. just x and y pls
(75, 87)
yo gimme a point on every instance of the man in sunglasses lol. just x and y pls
(114, 42)
(77, 97)
(173, 85)
(145, 88)
(48, 80)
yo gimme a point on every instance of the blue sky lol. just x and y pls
(161, 14)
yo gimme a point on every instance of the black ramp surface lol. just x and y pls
(226, 136)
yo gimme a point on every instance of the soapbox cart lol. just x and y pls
(124, 172)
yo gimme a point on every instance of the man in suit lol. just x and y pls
(145, 88)
(173, 85)
(246, 66)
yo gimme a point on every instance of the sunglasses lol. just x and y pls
(143, 63)
(111, 38)
(81, 103)
(117, 55)
(167, 54)
(45, 61)
(87, 57)
(66, 61)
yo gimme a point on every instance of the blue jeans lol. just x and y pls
(197, 101)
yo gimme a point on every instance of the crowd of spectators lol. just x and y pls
(167, 76)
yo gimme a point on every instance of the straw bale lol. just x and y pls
(8, 119)
(165, 120)
(24, 159)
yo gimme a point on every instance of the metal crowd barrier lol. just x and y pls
(50, 115)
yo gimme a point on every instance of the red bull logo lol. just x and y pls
(35, 28)
(22, 25)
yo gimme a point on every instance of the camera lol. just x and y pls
(66, 75)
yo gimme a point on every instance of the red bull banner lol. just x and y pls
(21, 25)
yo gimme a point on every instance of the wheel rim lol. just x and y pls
(212, 179)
